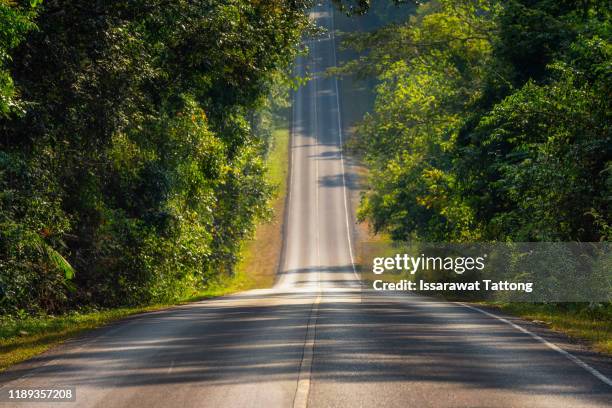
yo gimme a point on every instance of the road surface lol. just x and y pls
(312, 340)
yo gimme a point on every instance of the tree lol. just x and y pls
(135, 158)
(491, 122)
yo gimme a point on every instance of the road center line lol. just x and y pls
(303, 387)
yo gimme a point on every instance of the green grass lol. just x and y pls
(591, 326)
(278, 160)
(21, 339)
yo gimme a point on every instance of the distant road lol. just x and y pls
(314, 339)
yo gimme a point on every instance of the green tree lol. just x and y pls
(491, 122)
(136, 158)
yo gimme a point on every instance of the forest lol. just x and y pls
(491, 121)
(132, 144)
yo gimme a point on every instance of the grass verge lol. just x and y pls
(21, 339)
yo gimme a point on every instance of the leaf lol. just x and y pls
(60, 262)
(55, 258)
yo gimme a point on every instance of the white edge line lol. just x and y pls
(550, 345)
(346, 211)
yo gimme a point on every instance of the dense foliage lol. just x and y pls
(491, 123)
(131, 168)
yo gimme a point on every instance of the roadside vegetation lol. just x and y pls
(491, 124)
(140, 151)
(133, 147)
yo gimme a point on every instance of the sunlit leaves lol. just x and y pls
(15, 21)
(491, 122)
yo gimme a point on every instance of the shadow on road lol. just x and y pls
(360, 338)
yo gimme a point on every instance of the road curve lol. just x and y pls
(314, 339)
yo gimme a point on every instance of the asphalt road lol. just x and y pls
(314, 339)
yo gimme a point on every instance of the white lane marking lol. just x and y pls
(550, 345)
(346, 211)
